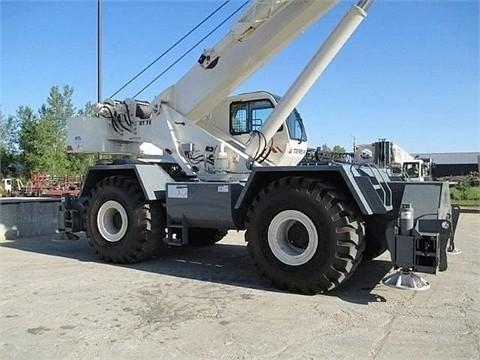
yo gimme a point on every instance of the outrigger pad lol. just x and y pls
(406, 279)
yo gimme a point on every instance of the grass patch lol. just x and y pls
(473, 203)
(464, 195)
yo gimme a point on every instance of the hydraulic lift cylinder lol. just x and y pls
(310, 74)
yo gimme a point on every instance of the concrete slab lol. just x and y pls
(27, 217)
(58, 302)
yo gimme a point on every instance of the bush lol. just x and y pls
(467, 191)
(472, 179)
(468, 184)
(456, 194)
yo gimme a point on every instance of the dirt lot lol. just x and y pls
(58, 302)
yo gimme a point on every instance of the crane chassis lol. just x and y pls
(206, 163)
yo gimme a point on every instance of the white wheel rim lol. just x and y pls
(108, 217)
(280, 244)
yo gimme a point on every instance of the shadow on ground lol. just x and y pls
(222, 263)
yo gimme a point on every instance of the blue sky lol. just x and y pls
(409, 74)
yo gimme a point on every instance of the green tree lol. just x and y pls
(335, 149)
(29, 138)
(42, 139)
(9, 129)
(325, 147)
(338, 149)
(8, 145)
(90, 109)
(37, 139)
(59, 106)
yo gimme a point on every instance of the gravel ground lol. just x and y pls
(58, 302)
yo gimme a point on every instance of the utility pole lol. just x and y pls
(99, 51)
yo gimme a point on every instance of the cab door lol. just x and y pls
(288, 145)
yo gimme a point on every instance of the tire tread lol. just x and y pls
(349, 235)
(147, 232)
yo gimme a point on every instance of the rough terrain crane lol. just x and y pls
(384, 153)
(205, 163)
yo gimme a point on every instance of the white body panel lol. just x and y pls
(167, 131)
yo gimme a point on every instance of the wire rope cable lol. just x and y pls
(191, 48)
(170, 48)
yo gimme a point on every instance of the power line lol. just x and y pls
(191, 49)
(170, 48)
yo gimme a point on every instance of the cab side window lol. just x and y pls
(248, 116)
(238, 119)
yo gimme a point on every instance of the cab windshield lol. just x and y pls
(248, 116)
(296, 130)
(412, 169)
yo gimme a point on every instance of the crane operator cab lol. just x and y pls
(416, 170)
(246, 115)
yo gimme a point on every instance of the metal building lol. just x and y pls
(453, 164)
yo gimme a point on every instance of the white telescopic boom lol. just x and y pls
(266, 28)
(309, 75)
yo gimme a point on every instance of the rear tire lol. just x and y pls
(303, 235)
(375, 241)
(122, 226)
(373, 249)
(205, 237)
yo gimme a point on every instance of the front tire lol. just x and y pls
(304, 236)
(122, 226)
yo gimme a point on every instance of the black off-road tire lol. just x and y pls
(373, 248)
(375, 241)
(339, 228)
(205, 237)
(146, 222)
